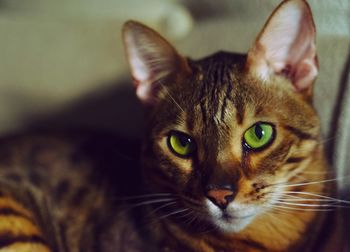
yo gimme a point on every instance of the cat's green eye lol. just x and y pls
(259, 136)
(181, 144)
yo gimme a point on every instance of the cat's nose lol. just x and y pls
(221, 196)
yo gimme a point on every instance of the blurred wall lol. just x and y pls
(62, 62)
(54, 53)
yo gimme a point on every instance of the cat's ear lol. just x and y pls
(286, 46)
(152, 59)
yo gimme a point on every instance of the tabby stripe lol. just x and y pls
(227, 96)
(220, 86)
(10, 211)
(202, 102)
(8, 239)
(295, 160)
(62, 231)
(94, 233)
(296, 179)
(239, 104)
(10, 203)
(299, 133)
(292, 167)
(239, 113)
(277, 155)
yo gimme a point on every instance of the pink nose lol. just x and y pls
(220, 197)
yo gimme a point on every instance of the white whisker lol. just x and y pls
(296, 198)
(304, 204)
(208, 230)
(151, 195)
(161, 207)
(322, 141)
(190, 221)
(173, 213)
(186, 214)
(317, 172)
(286, 199)
(149, 202)
(314, 182)
(171, 97)
(303, 209)
(315, 195)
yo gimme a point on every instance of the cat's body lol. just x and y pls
(231, 160)
(61, 192)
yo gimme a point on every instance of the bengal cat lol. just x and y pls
(231, 159)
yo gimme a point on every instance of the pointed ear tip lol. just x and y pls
(301, 5)
(295, 2)
(131, 25)
(129, 29)
(132, 29)
(305, 8)
(128, 26)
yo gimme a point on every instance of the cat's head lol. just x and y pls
(222, 130)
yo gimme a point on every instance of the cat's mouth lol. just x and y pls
(232, 219)
(228, 217)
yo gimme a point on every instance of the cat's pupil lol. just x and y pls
(259, 132)
(184, 141)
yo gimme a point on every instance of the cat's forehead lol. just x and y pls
(216, 76)
(219, 65)
(219, 87)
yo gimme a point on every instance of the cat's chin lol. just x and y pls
(234, 218)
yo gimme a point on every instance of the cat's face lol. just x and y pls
(225, 131)
(208, 139)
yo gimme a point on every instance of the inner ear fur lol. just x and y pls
(152, 60)
(286, 47)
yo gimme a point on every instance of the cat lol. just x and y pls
(231, 159)
(234, 140)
